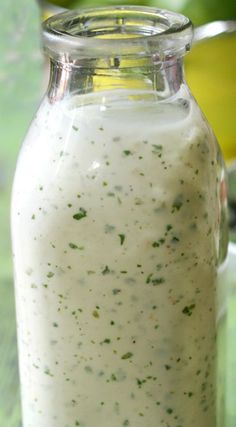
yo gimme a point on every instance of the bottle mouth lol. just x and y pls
(107, 32)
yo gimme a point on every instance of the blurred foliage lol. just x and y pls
(20, 79)
(199, 11)
(212, 65)
(20, 91)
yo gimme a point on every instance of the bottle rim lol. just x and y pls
(106, 32)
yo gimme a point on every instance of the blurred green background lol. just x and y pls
(20, 91)
(199, 11)
(21, 87)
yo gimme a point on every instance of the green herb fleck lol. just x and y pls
(122, 238)
(127, 152)
(209, 231)
(188, 309)
(155, 281)
(138, 201)
(106, 270)
(73, 246)
(116, 291)
(158, 243)
(148, 280)
(48, 372)
(174, 239)
(50, 274)
(81, 214)
(157, 149)
(113, 377)
(140, 382)
(96, 314)
(55, 325)
(169, 410)
(178, 203)
(75, 128)
(127, 356)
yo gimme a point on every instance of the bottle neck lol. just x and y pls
(67, 79)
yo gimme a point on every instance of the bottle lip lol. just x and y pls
(106, 32)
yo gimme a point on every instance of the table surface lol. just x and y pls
(19, 97)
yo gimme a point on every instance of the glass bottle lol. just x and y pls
(118, 224)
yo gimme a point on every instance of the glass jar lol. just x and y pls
(118, 224)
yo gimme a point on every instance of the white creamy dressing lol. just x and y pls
(115, 221)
